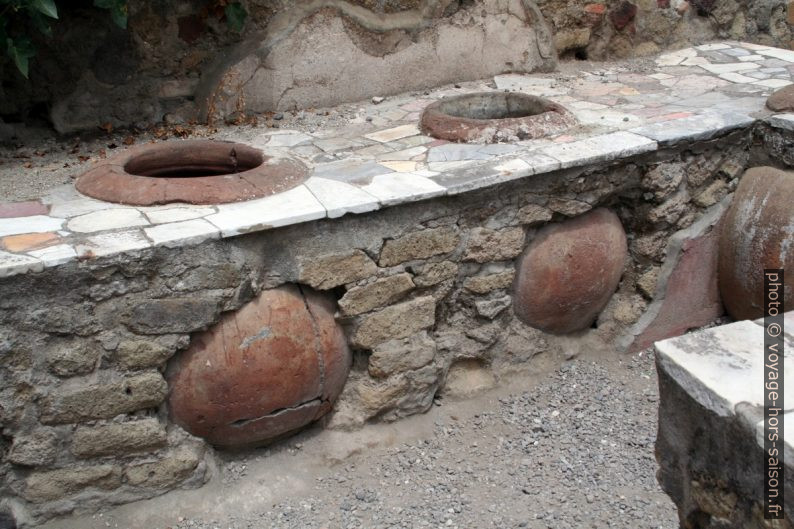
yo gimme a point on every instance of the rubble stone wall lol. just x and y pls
(424, 292)
(598, 30)
(177, 61)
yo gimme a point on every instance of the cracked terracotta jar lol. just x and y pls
(270, 368)
(191, 171)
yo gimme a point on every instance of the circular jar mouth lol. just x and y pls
(191, 171)
(490, 117)
(188, 161)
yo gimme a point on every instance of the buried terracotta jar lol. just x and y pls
(490, 117)
(757, 233)
(191, 171)
(569, 271)
(270, 368)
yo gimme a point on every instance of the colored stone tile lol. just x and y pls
(403, 155)
(22, 209)
(777, 53)
(396, 133)
(288, 139)
(730, 67)
(352, 171)
(736, 78)
(713, 47)
(28, 241)
(773, 83)
(401, 166)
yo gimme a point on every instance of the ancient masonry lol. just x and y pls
(132, 348)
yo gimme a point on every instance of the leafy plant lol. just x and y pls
(118, 10)
(235, 16)
(19, 47)
(17, 14)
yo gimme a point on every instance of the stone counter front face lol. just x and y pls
(416, 268)
(422, 294)
(710, 445)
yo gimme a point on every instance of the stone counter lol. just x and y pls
(710, 445)
(421, 246)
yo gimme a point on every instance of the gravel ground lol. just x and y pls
(576, 451)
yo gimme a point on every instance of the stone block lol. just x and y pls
(173, 315)
(382, 292)
(434, 273)
(710, 442)
(140, 354)
(419, 245)
(491, 308)
(663, 179)
(646, 283)
(487, 283)
(486, 245)
(671, 210)
(466, 378)
(38, 448)
(532, 215)
(332, 271)
(62, 483)
(176, 467)
(405, 354)
(118, 439)
(401, 395)
(569, 208)
(69, 357)
(713, 193)
(103, 400)
(397, 321)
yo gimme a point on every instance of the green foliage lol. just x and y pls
(118, 10)
(16, 15)
(19, 47)
(235, 16)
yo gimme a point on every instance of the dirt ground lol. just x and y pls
(572, 448)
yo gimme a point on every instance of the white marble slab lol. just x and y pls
(290, 207)
(602, 148)
(184, 233)
(31, 224)
(107, 219)
(723, 366)
(339, 198)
